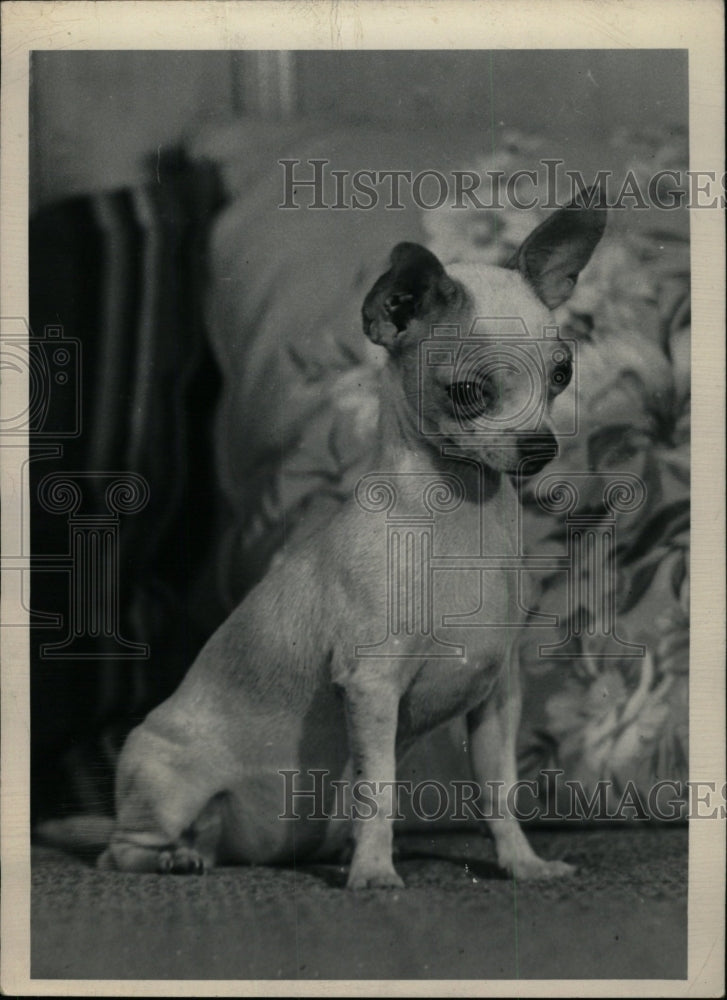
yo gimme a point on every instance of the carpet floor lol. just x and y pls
(623, 915)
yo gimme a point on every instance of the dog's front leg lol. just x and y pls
(372, 708)
(493, 728)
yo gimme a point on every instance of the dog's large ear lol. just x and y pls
(554, 254)
(413, 286)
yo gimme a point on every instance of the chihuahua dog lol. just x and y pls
(280, 689)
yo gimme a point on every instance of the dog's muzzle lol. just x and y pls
(535, 452)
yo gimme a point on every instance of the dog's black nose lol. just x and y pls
(535, 452)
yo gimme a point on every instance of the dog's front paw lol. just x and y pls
(181, 861)
(373, 878)
(537, 868)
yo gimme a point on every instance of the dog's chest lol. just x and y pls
(444, 688)
(457, 613)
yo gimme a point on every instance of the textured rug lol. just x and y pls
(623, 915)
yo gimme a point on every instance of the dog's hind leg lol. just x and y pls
(167, 816)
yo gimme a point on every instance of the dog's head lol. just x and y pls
(475, 346)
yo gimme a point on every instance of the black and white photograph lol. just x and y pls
(363, 532)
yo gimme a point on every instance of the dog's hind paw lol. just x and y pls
(181, 861)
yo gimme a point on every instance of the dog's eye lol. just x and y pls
(470, 399)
